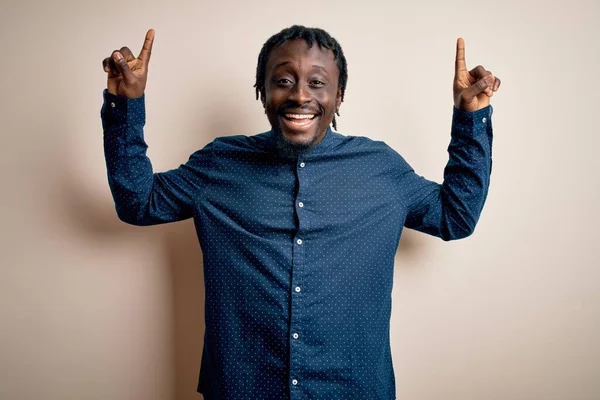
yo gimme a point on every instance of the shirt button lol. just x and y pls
(484, 120)
(301, 204)
(295, 336)
(297, 289)
(302, 165)
(294, 382)
(112, 105)
(299, 241)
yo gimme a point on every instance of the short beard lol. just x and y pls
(287, 149)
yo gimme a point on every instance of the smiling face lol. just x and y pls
(301, 92)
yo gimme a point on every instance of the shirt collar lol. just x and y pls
(327, 142)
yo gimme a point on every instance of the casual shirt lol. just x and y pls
(298, 253)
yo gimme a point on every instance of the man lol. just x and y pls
(298, 225)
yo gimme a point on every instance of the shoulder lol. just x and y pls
(242, 143)
(376, 151)
(363, 144)
(232, 147)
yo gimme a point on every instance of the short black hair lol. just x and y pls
(310, 36)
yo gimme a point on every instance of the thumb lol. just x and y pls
(478, 87)
(123, 67)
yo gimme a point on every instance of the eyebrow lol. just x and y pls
(289, 62)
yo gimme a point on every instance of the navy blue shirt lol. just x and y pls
(298, 253)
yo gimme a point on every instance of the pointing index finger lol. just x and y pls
(147, 48)
(460, 64)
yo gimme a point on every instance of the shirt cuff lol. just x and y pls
(119, 110)
(472, 123)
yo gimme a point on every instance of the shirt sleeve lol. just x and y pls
(451, 210)
(141, 196)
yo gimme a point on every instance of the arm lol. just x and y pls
(451, 210)
(141, 196)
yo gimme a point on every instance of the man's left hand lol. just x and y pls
(472, 89)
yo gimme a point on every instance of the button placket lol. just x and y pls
(297, 295)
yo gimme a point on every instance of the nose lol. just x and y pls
(300, 93)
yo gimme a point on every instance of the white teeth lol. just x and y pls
(300, 116)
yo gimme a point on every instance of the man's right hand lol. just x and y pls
(127, 75)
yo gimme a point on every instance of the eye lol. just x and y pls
(283, 81)
(317, 82)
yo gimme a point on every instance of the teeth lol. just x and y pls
(300, 116)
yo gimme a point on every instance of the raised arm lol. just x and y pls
(141, 196)
(451, 210)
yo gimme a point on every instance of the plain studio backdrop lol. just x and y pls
(92, 308)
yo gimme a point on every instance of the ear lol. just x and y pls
(338, 100)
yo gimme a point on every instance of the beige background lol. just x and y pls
(92, 308)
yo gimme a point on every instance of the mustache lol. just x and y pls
(291, 107)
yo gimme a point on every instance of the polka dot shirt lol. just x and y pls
(298, 253)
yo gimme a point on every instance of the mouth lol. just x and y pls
(301, 121)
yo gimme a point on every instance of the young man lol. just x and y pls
(298, 225)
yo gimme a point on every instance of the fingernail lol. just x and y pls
(118, 56)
